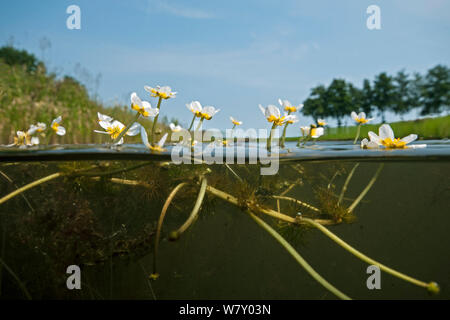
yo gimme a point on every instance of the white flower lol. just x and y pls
(175, 128)
(162, 92)
(158, 147)
(321, 122)
(386, 138)
(292, 119)
(196, 108)
(39, 127)
(288, 106)
(316, 132)
(208, 112)
(273, 114)
(59, 130)
(235, 122)
(360, 118)
(366, 144)
(115, 127)
(143, 107)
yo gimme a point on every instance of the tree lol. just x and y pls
(339, 100)
(367, 97)
(403, 96)
(435, 90)
(383, 94)
(12, 56)
(316, 105)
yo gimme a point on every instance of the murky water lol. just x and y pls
(102, 215)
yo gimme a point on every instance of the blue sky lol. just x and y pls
(229, 54)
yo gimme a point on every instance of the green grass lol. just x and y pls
(429, 128)
(28, 97)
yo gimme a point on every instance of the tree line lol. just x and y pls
(398, 93)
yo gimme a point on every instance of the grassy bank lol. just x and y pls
(31, 96)
(429, 128)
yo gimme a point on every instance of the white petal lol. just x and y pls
(146, 105)
(163, 140)
(135, 99)
(134, 129)
(354, 116)
(372, 145)
(35, 141)
(385, 131)
(362, 115)
(104, 124)
(117, 123)
(144, 137)
(148, 89)
(102, 132)
(61, 131)
(57, 120)
(409, 138)
(373, 137)
(272, 111)
(364, 142)
(32, 130)
(103, 117)
(262, 109)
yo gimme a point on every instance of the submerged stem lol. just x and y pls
(302, 262)
(160, 222)
(29, 186)
(19, 282)
(430, 286)
(174, 235)
(366, 189)
(347, 181)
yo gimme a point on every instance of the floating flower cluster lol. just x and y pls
(26, 139)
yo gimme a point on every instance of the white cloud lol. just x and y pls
(177, 10)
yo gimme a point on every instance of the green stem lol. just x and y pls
(160, 223)
(192, 123)
(305, 265)
(136, 117)
(13, 274)
(344, 188)
(155, 121)
(269, 140)
(430, 286)
(283, 136)
(366, 189)
(358, 130)
(174, 235)
(29, 186)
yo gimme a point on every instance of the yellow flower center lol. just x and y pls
(237, 123)
(362, 120)
(396, 143)
(205, 116)
(321, 123)
(55, 126)
(114, 132)
(290, 109)
(156, 148)
(141, 110)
